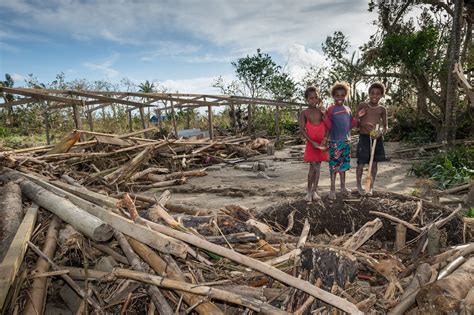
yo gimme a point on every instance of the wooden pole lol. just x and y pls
(188, 118)
(15, 254)
(155, 294)
(259, 266)
(249, 119)
(37, 292)
(130, 121)
(234, 118)
(171, 270)
(46, 124)
(160, 121)
(77, 117)
(209, 122)
(249, 302)
(173, 120)
(277, 122)
(91, 121)
(400, 236)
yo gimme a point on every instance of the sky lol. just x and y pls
(182, 44)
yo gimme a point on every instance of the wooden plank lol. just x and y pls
(15, 254)
(20, 101)
(40, 94)
(113, 141)
(209, 122)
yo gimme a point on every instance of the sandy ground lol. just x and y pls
(286, 178)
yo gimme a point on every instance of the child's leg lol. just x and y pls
(359, 173)
(332, 193)
(310, 181)
(317, 170)
(344, 190)
(374, 174)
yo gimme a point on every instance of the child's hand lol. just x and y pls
(362, 112)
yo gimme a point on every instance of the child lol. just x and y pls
(315, 131)
(370, 114)
(341, 122)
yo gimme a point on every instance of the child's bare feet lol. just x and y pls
(369, 193)
(316, 197)
(361, 191)
(345, 191)
(332, 195)
(308, 197)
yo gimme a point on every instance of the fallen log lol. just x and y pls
(241, 237)
(176, 175)
(37, 292)
(171, 269)
(363, 234)
(82, 221)
(211, 292)
(11, 212)
(128, 227)
(14, 256)
(446, 294)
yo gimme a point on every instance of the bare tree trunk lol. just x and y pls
(451, 87)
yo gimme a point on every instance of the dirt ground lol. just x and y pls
(284, 178)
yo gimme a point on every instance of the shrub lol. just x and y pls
(447, 169)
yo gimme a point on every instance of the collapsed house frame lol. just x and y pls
(59, 99)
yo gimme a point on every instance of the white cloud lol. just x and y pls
(200, 85)
(169, 48)
(300, 59)
(238, 26)
(105, 67)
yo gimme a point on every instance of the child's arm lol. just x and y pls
(327, 116)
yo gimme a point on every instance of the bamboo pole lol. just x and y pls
(170, 268)
(248, 302)
(37, 292)
(259, 266)
(156, 296)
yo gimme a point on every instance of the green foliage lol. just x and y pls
(255, 72)
(448, 169)
(470, 213)
(407, 126)
(411, 50)
(336, 46)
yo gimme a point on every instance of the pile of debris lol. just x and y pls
(69, 246)
(129, 162)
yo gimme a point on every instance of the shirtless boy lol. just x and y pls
(369, 115)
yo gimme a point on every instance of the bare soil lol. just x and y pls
(284, 181)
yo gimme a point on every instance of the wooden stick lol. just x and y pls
(109, 251)
(37, 292)
(395, 219)
(134, 261)
(171, 269)
(15, 254)
(368, 179)
(125, 171)
(262, 267)
(66, 278)
(400, 236)
(211, 292)
(363, 234)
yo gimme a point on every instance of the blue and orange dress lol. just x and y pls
(340, 122)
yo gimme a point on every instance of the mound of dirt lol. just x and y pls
(346, 215)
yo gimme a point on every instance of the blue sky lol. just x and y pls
(183, 45)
